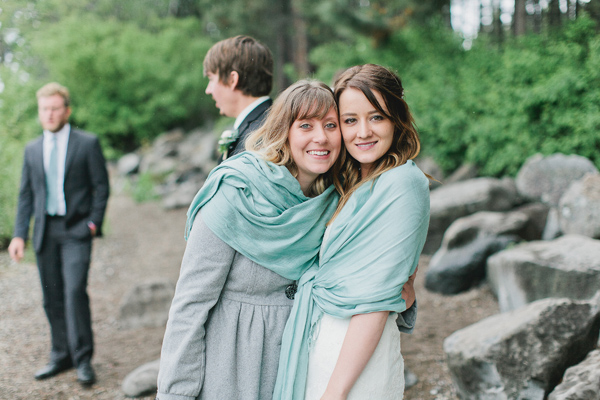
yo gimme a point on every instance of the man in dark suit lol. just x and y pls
(240, 74)
(64, 186)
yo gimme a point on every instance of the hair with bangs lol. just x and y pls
(304, 99)
(52, 88)
(248, 57)
(371, 78)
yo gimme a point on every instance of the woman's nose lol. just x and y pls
(363, 130)
(320, 136)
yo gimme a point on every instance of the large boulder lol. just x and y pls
(565, 267)
(128, 164)
(521, 354)
(545, 178)
(581, 382)
(580, 207)
(146, 305)
(463, 173)
(460, 262)
(181, 195)
(430, 167)
(142, 380)
(162, 157)
(198, 151)
(453, 201)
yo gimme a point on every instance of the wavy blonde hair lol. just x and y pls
(304, 99)
(371, 78)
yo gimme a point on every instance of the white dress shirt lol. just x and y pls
(240, 118)
(62, 140)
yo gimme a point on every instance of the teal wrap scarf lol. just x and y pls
(258, 209)
(372, 248)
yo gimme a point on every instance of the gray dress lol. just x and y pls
(225, 326)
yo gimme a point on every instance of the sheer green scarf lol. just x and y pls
(372, 248)
(258, 209)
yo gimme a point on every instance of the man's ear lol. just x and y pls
(234, 78)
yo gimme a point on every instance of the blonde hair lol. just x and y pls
(53, 88)
(371, 78)
(304, 99)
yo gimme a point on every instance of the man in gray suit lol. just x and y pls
(240, 78)
(64, 187)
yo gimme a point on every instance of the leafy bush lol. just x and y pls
(18, 124)
(491, 106)
(129, 84)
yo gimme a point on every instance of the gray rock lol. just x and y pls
(198, 151)
(460, 262)
(430, 167)
(142, 380)
(167, 144)
(453, 201)
(566, 267)
(463, 173)
(581, 382)
(552, 229)
(128, 164)
(158, 166)
(521, 354)
(537, 214)
(410, 379)
(580, 207)
(546, 178)
(183, 194)
(146, 305)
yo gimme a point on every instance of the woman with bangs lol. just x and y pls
(252, 230)
(341, 341)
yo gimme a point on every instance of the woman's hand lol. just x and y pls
(408, 290)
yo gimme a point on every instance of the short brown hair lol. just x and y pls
(248, 57)
(304, 99)
(53, 88)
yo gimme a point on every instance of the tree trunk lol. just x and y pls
(299, 40)
(497, 24)
(537, 16)
(554, 14)
(519, 22)
(183, 8)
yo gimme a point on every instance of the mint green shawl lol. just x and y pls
(372, 248)
(258, 209)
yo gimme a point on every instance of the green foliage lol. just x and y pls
(18, 124)
(489, 106)
(143, 188)
(128, 84)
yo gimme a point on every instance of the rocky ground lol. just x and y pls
(143, 243)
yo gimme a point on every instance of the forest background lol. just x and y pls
(490, 86)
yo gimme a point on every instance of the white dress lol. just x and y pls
(383, 376)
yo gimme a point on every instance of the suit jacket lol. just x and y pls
(85, 186)
(252, 122)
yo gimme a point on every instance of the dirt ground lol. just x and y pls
(144, 243)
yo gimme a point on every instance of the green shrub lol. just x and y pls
(129, 84)
(491, 106)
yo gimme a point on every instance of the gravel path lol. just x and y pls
(144, 243)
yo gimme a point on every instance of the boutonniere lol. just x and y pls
(227, 137)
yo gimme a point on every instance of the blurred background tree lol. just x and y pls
(490, 81)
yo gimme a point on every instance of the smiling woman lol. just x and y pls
(254, 227)
(315, 145)
(342, 339)
(368, 133)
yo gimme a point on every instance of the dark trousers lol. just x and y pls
(63, 264)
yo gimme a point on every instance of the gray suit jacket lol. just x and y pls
(85, 185)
